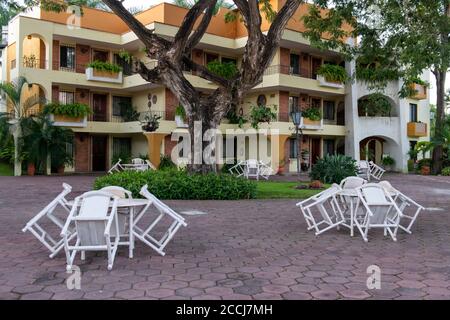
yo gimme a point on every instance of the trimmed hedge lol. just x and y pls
(179, 185)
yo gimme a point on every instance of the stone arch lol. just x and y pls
(35, 50)
(374, 147)
(362, 112)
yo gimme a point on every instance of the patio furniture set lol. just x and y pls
(251, 168)
(357, 203)
(137, 164)
(103, 220)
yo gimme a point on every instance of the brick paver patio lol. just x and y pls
(239, 250)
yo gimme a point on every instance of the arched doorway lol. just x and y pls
(371, 149)
(35, 52)
(33, 99)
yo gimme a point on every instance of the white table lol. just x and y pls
(132, 204)
(353, 200)
(136, 167)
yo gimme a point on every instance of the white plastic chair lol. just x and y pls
(323, 209)
(363, 169)
(238, 169)
(376, 171)
(150, 165)
(350, 183)
(376, 209)
(409, 208)
(117, 167)
(37, 229)
(252, 169)
(94, 218)
(144, 233)
(265, 171)
(122, 212)
(137, 161)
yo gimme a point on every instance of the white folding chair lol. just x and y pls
(122, 212)
(150, 165)
(117, 167)
(265, 171)
(144, 233)
(94, 215)
(238, 169)
(252, 169)
(350, 183)
(137, 161)
(323, 209)
(376, 171)
(376, 209)
(409, 208)
(36, 227)
(363, 169)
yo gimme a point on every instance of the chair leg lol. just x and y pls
(83, 255)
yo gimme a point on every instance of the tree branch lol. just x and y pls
(182, 36)
(201, 29)
(204, 73)
(282, 18)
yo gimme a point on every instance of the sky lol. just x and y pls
(141, 3)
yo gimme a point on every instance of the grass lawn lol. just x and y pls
(283, 190)
(6, 169)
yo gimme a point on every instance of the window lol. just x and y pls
(121, 147)
(293, 104)
(295, 64)
(98, 55)
(66, 97)
(126, 66)
(293, 150)
(328, 110)
(67, 57)
(328, 147)
(209, 57)
(413, 112)
(227, 60)
(120, 104)
(412, 145)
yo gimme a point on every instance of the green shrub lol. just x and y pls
(388, 161)
(333, 73)
(179, 185)
(446, 171)
(226, 70)
(74, 110)
(260, 114)
(312, 114)
(334, 168)
(411, 168)
(104, 66)
(166, 163)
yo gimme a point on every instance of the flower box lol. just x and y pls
(325, 83)
(66, 121)
(417, 129)
(104, 76)
(420, 91)
(307, 123)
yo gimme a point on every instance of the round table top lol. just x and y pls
(122, 203)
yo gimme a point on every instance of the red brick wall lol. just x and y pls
(285, 60)
(82, 152)
(82, 57)
(55, 94)
(55, 55)
(284, 105)
(169, 145)
(82, 96)
(171, 105)
(305, 65)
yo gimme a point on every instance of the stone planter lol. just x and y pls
(329, 84)
(66, 121)
(103, 76)
(311, 124)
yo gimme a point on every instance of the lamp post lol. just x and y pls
(296, 119)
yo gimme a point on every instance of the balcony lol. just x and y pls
(103, 76)
(324, 83)
(417, 129)
(65, 121)
(306, 123)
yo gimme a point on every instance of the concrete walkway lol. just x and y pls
(257, 249)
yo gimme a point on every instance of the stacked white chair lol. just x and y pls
(145, 233)
(238, 169)
(252, 169)
(265, 171)
(94, 218)
(322, 212)
(36, 227)
(363, 169)
(376, 209)
(376, 171)
(409, 208)
(117, 167)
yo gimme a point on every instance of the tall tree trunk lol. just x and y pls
(438, 151)
(17, 162)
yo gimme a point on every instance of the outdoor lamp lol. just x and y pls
(296, 117)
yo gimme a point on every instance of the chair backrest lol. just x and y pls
(363, 164)
(162, 207)
(118, 192)
(377, 201)
(93, 212)
(137, 161)
(252, 163)
(388, 186)
(352, 182)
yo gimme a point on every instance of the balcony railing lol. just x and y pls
(31, 62)
(417, 129)
(78, 68)
(283, 69)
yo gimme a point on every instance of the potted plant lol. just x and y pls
(332, 75)
(68, 114)
(388, 162)
(150, 123)
(180, 116)
(311, 116)
(104, 71)
(260, 114)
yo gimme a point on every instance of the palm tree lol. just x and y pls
(14, 94)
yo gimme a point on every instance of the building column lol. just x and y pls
(154, 139)
(277, 146)
(351, 115)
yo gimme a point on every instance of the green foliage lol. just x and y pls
(179, 185)
(6, 140)
(259, 114)
(426, 162)
(226, 70)
(374, 105)
(104, 66)
(446, 171)
(124, 156)
(423, 147)
(411, 166)
(388, 161)
(284, 190)
(234, 118)
(333, 73)
(74, 110)
(333, 168)
(128, 113)
(312, 114)
(125, 55)
(179, 111)
(166, 163)
(150, 123)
